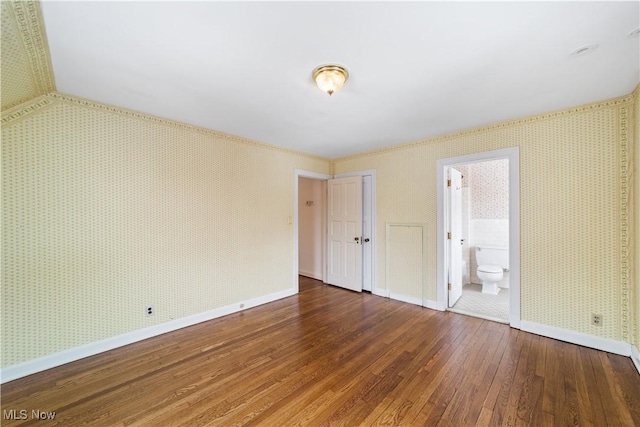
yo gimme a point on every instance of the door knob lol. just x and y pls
(366, 240)
(357, 239)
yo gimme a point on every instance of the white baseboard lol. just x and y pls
(404, 298)
(425, 303)
(29, 367)
(380, 292)
(586, 340)
(635, 357)
(433, 305)
(311, 274)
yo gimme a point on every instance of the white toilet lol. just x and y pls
(492, 262)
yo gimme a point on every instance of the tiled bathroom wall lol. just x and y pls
(466, 253)
(488, 184)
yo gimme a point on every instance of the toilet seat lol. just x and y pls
(489, 268)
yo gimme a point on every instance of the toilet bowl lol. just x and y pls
(492, 262)
(490, 276)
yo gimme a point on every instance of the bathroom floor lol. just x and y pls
(491, 307)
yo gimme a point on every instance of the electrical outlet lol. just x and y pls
(150, 310)
(596, 319)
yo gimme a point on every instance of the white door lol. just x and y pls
(454, 187)
(344, 230)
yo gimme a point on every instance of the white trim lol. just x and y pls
(433, 305)
(635, 357)
(312, 175)
(310, 274)
(513, 155)
(29, 367)
(404, 298)
(374, 219)
(514, 237)
(380, 292)
(299, 173)
(371, 172)
(586, 340)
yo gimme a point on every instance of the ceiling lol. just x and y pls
(417, 69)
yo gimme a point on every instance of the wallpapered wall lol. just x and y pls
(571, 209)
(634, 298)
(105, 212)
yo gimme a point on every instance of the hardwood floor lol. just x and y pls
(328, 356)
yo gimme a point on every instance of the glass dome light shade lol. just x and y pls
(330, 78)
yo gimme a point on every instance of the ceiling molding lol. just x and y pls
(625, 233)
(25, 109)
(623, 100)
(28, 17)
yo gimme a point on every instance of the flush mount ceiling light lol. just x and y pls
(330, 77)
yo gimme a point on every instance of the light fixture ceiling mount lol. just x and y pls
(330, 77)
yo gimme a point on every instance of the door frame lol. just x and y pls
(372, 173)
(513, 155)
(299, 173)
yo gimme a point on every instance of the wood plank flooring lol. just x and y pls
(328, 356)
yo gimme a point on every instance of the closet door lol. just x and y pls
(344, 232)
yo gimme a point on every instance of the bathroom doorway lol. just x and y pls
(478, 220)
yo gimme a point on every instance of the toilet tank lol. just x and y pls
(494, 255)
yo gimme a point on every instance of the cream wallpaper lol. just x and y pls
(405, 264)
(635, 295)
(107, 211)
(572, 212)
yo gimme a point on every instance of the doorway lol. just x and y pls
(312, 227)
(367, 236)
(478, 205)
(297, 174)
(451, 268)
